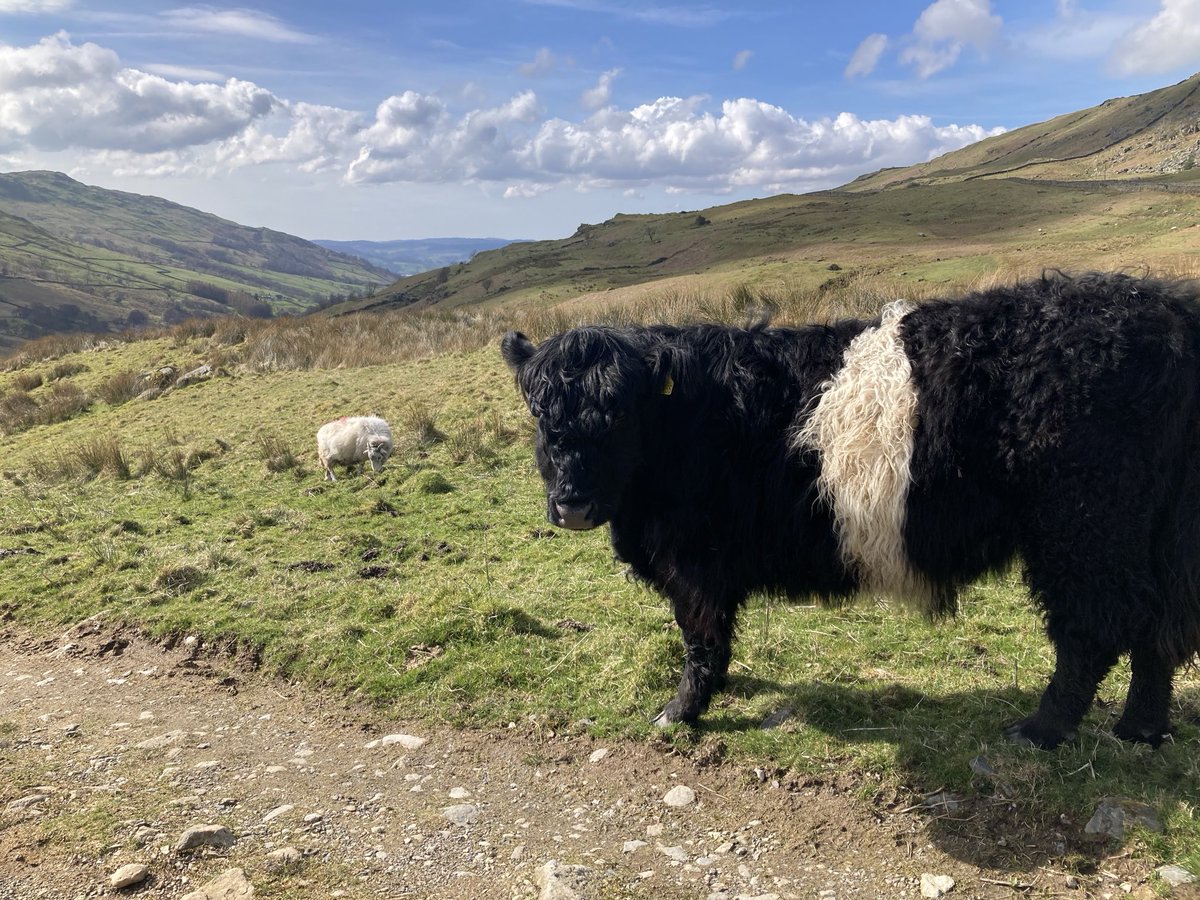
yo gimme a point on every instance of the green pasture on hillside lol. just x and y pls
(438, 591)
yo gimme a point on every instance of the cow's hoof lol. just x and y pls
(672, 714)
(1141, 734)
(1031, 733)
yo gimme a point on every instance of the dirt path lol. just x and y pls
(128, 744)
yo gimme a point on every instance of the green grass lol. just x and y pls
(437, 591)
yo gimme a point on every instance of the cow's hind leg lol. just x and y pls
(1082, 664)
(708, 645)
(1147, 707)
(1087, 563)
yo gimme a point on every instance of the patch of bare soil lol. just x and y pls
(111, 747)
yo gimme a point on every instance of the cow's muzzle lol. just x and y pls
(576, 516)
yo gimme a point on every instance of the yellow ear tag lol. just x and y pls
(668, 386)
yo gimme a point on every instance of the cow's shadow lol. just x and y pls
(972, 785)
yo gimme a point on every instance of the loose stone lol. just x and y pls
(935, 886)
(229, 885)
(1112, 816)
(26, 802)
(278, 811)
(283, 857)
(205, 836)
(462, 813)
(128, 875)
(407, 741)
(1175, 875)
(679, 796)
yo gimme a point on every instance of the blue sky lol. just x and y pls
(525, 118)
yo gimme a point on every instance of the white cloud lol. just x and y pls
(1076, 34)
(19, 7)
(415, 138)
(543, 63)
(742, 59)
(867, 56)
(598, 96)
(526, 191)
(944, 28)
(683, 16)
(184, 73)
(55, 95)
(313, 138)
(247, 23)
(675, 142)
(1168, 41)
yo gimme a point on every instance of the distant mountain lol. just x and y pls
(411, 257)
(1114, 186)
(76, 257)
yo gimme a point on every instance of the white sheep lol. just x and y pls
(353, 440)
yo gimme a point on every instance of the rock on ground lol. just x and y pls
(229, 885)
(559, 882)
(1113, 815)
(204, 836)
(935, 886)
(128, 875)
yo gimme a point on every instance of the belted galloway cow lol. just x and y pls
(1056, 421)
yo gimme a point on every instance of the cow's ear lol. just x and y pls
(516, 349)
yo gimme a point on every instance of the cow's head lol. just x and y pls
(590, 390)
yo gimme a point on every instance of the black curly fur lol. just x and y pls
(1058, 420)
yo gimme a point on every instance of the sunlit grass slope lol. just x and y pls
(923, 236)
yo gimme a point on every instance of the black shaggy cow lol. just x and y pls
(1057, 420)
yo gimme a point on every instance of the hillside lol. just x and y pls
(74, 256)
(937, 233)
(413, 256)
(1140, 137)
(1114, 186)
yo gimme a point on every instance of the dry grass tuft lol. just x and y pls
(103, 454)
(276, 453)
(28, 381)
(66, 370)
(122, 387)
(419, 422)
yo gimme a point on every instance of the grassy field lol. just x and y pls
(438, 591)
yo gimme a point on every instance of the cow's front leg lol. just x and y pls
(708, 646)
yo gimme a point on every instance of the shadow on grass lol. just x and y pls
(988, 802)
